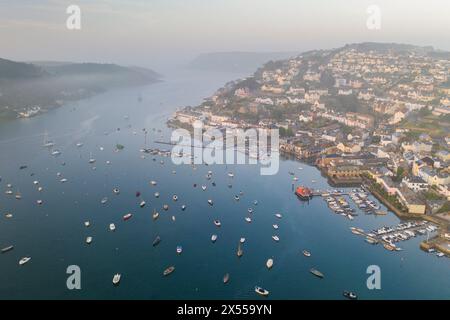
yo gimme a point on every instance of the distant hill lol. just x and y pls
(11, 70)
(236, 61)
(48, 84)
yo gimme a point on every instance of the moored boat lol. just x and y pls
(217, 223)
(269, 263)
(239, 251)
(306, 253)
(127, 216)
(226, 278)
(276, 238)
(303, 193)
(169, 270)
(261, 291)
(350, 295)
(156, 241)
(112, 227)
(179, 249)
(116, 279)
(6, 249)
(214, 238)
(24, 260)
(317, 273)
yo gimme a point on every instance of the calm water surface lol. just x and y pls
(54, 234)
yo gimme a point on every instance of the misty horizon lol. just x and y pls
(167, 33)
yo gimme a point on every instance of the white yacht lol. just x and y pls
(24, 260)
(116, 279)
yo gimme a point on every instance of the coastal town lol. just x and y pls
(370, 115)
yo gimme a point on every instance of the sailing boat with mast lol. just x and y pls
(47, 143)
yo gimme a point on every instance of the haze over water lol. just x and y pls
(54, 234)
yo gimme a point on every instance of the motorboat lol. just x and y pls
(269, 263)
(261, 291)
(24, 260)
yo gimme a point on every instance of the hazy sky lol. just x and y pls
(154, 32)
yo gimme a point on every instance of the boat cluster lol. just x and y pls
(340, 206)
(390, 236)
(360, 198)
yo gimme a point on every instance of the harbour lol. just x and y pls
(54, 234)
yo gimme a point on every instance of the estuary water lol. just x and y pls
(53, 234)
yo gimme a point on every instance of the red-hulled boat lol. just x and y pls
(127, 216)
(303, 193)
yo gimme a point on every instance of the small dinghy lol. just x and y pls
(116, 279)
(261, 291)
